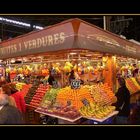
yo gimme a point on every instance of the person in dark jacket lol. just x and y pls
(135, 115)
(72, 76)
(51, 79)
(123, 103)
(9, 114)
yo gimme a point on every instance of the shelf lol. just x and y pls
(59, 117)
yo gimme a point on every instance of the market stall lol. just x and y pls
(89, 51)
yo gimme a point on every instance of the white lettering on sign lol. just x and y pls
(34, 42)
(103, 38)
(9, 49)
(26, 45)
(56, 39)
(39, 42)
(45, 41)
(62, 37)
(130, 49)
(50, 40)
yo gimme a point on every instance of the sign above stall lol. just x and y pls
(29, 45)
(68, 35)
(51, 39)
(97, 39)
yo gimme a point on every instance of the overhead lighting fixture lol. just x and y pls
(13, 60)
(15, 22)
(38, 27)
(89, 55)
(73, 53)
(6, 20)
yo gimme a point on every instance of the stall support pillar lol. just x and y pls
(110, 77)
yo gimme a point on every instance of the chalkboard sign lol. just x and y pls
(75, 84)
(85, 102)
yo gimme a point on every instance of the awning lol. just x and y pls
(70, 34)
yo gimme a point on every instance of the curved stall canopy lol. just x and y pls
(70, 34)
(96, 39)
(53, 38)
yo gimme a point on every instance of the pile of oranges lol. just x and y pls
(75, 96)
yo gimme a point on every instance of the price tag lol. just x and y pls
(85, 102)
(75, 84)
(68, 103)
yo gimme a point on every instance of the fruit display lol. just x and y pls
(32, 69)
(68, 67)
(74, 95)
(50, 97)
(45, 72)
(135, 82)
(40, 92)
(19, 86)
(30, 94)
(13, 73)
(132, 85)
(95, 110)
(67, 111)
(102, 94)
(56, 68)
(25, 89)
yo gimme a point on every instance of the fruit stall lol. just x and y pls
(96, 56)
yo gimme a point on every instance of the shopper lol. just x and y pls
(9, 114)
(6, 90)
(19, 98)
(51, 79)
(72, 76)
(135, 115)
(123, 102)
(135, 71)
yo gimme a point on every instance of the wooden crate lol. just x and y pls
(31, 117)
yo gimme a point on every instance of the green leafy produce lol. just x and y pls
(50, 97)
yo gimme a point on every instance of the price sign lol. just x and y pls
(85, 102)
(75, 84)
(68, 103)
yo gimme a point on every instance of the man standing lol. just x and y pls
(9, 114)
(123, 102)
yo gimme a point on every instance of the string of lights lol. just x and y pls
(14, 22)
